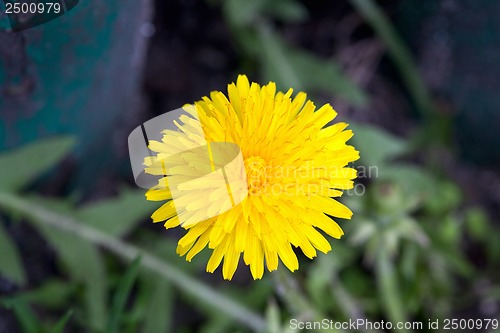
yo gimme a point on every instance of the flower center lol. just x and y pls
(257, 173)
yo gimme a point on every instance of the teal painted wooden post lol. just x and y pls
(79, 74)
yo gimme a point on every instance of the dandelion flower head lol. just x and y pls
(293, 164)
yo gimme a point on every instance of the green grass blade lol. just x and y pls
(121, 295)
(23, 313)
(59, 327)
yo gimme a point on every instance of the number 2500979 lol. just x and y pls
(33, 8)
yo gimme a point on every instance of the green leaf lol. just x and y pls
(216, 324)
(291, 67)
(59, 327)
(119, 215)
(11, 265)
(477, 223)
(450, 230)
(445, 197)
(27, 319)
(159, 315)
(409, 257)
(51, 294)
(325, 75)
(275, 60)
(273, 318)
(85, 265)
(22, 166)
(165, 248)
(242, 12)
(415, 182)
(318, 279)
(117, 312)
(285, 10)
(245, 13)
(376, 146)
(389, 291)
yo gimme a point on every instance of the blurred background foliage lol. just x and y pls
(416, 79)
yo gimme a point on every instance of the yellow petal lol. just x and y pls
(165, 212)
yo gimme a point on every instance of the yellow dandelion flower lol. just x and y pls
(275, 165)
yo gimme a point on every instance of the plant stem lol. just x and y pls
(198, 290)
